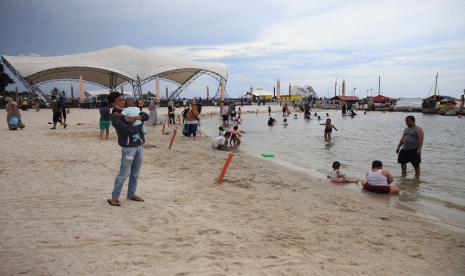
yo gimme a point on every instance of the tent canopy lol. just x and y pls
(111, 66)
(260, 92)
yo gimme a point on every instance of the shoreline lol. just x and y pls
(262, 219)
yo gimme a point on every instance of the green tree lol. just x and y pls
(5, 80)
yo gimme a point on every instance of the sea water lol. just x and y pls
(440, 191)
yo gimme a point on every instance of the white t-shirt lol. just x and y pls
(220, 140)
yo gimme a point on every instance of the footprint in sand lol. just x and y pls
(209, 231)
(159, 220)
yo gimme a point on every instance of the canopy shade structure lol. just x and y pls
(260, 92)
(112, 67)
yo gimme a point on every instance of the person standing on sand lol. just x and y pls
(104, 122)
(153, 112)
(37, 105)
(410, 145)
(56, 112)
(141, 104)
(62, 104)
(192, 120)
(171, 119)
(132, 149)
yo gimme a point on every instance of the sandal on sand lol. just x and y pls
(114, 203)
(135, 198)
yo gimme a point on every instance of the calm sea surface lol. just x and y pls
(440, 191)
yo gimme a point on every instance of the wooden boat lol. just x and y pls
(439, 104)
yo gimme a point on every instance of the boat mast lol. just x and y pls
(335, 87)
(379, 85)
(436, 84)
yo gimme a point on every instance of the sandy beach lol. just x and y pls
(263, 220)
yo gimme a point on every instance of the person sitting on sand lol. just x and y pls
(131, 111)
(221, 142)
(13, 115)
(271, 121)
(379, 180)
(328, 129)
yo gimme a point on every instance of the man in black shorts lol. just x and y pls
(56, 112)
(410, 144)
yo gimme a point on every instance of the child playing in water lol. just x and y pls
(130, 111)
(221, 131)
(328, 129)
(285, 122)
(336, 176)
(235, 134)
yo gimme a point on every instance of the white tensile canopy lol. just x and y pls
(111, 67)
(260, 92)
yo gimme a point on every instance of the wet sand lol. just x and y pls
(263, 220)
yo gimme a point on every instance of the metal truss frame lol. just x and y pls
(175, 94)
(32, 88)
(136, 84)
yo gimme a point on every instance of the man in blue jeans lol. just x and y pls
(132, 149)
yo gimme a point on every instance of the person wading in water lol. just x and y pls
(410, 145)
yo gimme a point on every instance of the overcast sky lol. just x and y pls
(302, 42)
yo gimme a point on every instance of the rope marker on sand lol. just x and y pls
(172, 137)
(219, 180)
(164, 126)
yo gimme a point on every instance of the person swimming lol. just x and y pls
(285, 122)
(328, 129)
(379, 180)
(327, 114)
(295, 116)
(352, 114)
